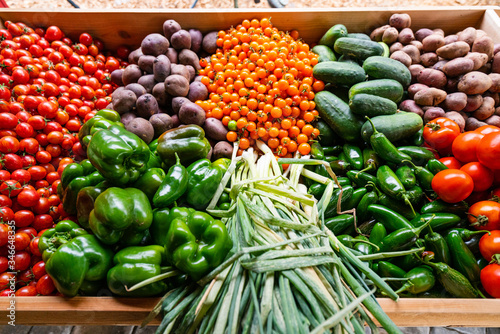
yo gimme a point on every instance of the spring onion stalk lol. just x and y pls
(286, 272)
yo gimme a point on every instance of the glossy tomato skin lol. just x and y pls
(485, 215)
(485, 129)
(452, 185)
(482, 176)
(451, 162)
(490, 279)
(489, 244)
(488, 150)
(465, 145)
(441, 132)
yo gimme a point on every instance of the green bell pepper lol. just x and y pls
(121, 215)
(203, 180)
(197, 243)
(162, 217)
(85, 202)
(75, 260)
(150, 181)
(134, 265)
(75, 177)
(188, 142)
(119, 155)
(108, 116)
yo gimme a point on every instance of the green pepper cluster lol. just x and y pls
(387, 205)
(136, 207)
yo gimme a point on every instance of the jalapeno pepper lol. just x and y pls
(436, 243)
(371, 160)
(361, 179)
(354, 155)
(317, 190)
(415, 195)
(391, 185)
(435, 166)
(331, 209)
(462, 258)
(356, 197)
(362, 208)
(441, 206)
(332, 150)
(418, 138)
(401, 239)
(377, 233)
(440, 221)
(392, 220)
(424, 176)
(390, 270)
(419, 155)
(317, 151)
(402, 208)
(384, 148)
(406, 176)
(339, 223)
(339, 166)
(420, 279)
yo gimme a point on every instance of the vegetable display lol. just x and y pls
(255, 182)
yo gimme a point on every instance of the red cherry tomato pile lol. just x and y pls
(49, 85)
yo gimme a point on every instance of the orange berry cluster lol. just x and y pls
(261, 86)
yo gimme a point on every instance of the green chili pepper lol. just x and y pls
(390, 270)
(332, 150)
(415, 195)
(391, 185)
(452, 280)
(317, 151)
(378, 233)
(482, 262)
(392, 220)
(361, 179)
(473, 245)
(384, 148)
(339, 166)
(356, 197)
(331, 209)
(419, 155)
(354, 155)
(418, 138)
(413, 260)
(440, 221)
(463, 259)
(467, 234)
(339, 223)
(174, 185)
(362, 208)
(363, 245)
(424, 176)
(371, 160)
(435, 166)
(436, 243)
(401, 239)
(317, 190)
(420, 279)
(407, 177)
(398, 206)
(346, 240)
(441, 206)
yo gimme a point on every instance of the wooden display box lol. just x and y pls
(129, 27)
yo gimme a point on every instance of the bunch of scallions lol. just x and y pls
(286, 273)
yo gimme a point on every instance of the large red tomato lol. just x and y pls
(488, 150)
(441, 132)
(481, 175)
(485, 215)
(489, 244)
(452, 185)
(464, 146)
(490, 279)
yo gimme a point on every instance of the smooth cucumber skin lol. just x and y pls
(359, 36)
(324, 53)
(372, 105)
(396, 127)
(334, 33)
(358, 48)
(337, 114)
(379, 67)
(339, 73)
(388, 88)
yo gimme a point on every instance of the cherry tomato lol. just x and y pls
(23, 218)
(4, 234)
(489, 244)
(451, 162)
(6, 215)
(490, 279)
(5, 201)
(452, 185)
(21, 241)
(22, 260)
(488, 150)
(12, 161)
(441, 132)
(30, 231)
(6, 280)
(10, 188)
(25, 277)
(485, 215)
(21, 175)
(9, 144)
(45, 286)
(26, 291)
(4, 264)
(28, 198)
(42, 222)
(34, 246)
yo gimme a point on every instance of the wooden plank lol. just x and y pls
(408, 312)
(117, 27)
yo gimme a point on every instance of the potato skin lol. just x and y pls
(137, 88)
(123, 101)
(127, 118)
(400, 21)
(413, 52)
(493, 120)
(222, 150)
(430, 96)
(191, 113)
(161, 68)
(432, 42)
(180, 70)
(209, 42)
(146, 106)
(455, 116)
(214, 129)
(468, 35)
(196, 39)
(418, 45)
(422, 33)
(197, 91)
(474, 83)
(411, 106)
(495, 79)
(177, 103)
(458, 66)
(172, 55)
(161, 123)
(432, 78)
(415, 70)
(429, 59)
(450, 39)
(402, 57)
(133, 57)
(479, 59)
(486, 109)
(155, 44)
(396, 47)
(180, 39)
(148, 82)
(440, 64)
(131, 74)
(433, 113)
(472, 124)
(116, 77)
(188, 57)
(191, 71)
(170, 27)
(453, 50)
(161, 95)
(390, 35)
(142, 128)
(406, 36)
(413, 89)
(455, 101)
(473, 102)
(146, 63)
(177, 85)
(485, 45)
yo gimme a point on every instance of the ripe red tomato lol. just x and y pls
(485, 129)
(6, 279)
(489, 244)
(45, 286)
(481, 175)
(490, 279)
(488, 150)
(4, 264)
(441, 132)
(10, 188)
(452, 185)
(34, 246)
(28, 198)
(23, 218)
(26, 291)
(451, 162)
(21, 241)
(22, 260)
(485, 215)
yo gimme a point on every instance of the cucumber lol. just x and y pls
(324, 53)
(372, 105)
(339, 73)
(386, 68)
(340, 91)
(344, 59)
(387, 51)
(359, 36)
(337, 114)
(334, 33)
(388, 88)
(396, 127)
(327, 137)
(358, 48)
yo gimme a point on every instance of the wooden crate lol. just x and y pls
(129, 27)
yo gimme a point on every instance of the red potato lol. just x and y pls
(486, 109)
(413, 52)
(415, 70)
(390, 35)
(468, 35)
(429, 59)
(400, 21)
(411, 106)
(455, 101)
(495, 65)
(413, 89)
(432, 42)
(455, 116)
(474, 83)
(406, 36)
(453, 50)
(495, 79)
(484, 44)
(432, 78)
(396, 47)
(479, 59)
(473, 102)
(433, 113)
(430, 97)
(450, 39)
(420, 34)
(402, 57)
(458, 66)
